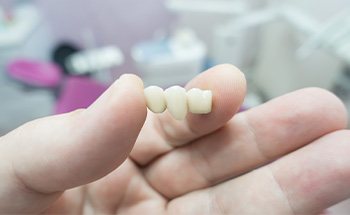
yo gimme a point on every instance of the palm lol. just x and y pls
(158, 181)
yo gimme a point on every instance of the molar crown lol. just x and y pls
(199, 101)
(178, 102)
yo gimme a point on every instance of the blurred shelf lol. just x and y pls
(207, 6)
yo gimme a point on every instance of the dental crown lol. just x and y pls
(178, 101)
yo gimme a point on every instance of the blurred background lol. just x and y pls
(57, 56)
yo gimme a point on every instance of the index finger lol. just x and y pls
(162, 133)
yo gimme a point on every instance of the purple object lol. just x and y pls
(35, 73)
(78, 92)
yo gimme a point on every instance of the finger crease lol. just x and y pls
(25, 185)
(168, 139)
(254, 138)
(283, 191)
(198, 154)
(216, 206)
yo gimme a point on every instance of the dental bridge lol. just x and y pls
(178, 101)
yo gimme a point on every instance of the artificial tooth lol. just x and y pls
(155, 99)
(176, 100)
(199, 101)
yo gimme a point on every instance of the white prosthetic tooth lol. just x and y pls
(199, 101)
(176, 100)
(155, 99)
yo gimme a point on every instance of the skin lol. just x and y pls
(288, 156)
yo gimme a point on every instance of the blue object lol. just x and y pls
(154, 49)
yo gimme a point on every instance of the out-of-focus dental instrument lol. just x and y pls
(24, 20)
(35, 73)
(170, 61)
(93, 60)
(332, 36)
(207, 6)
(231, 39)
(6, 14)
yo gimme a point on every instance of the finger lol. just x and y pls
(304, 182)
(318, 175)
(161, 133)
(57, 153)
(251, 139)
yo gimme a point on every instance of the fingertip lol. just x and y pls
(126, 92)
(313, 104)
(228, 85)
(217, 72)
(133, 78)
(331, 103)
(131, 89)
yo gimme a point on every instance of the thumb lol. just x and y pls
(56, 153)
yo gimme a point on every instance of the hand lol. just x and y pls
(288, 156)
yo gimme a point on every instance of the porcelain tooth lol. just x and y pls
(176, 101)
(199, 101)
(155, 99)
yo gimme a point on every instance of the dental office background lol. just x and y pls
(57, 56)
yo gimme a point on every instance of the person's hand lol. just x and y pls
(288, 156)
